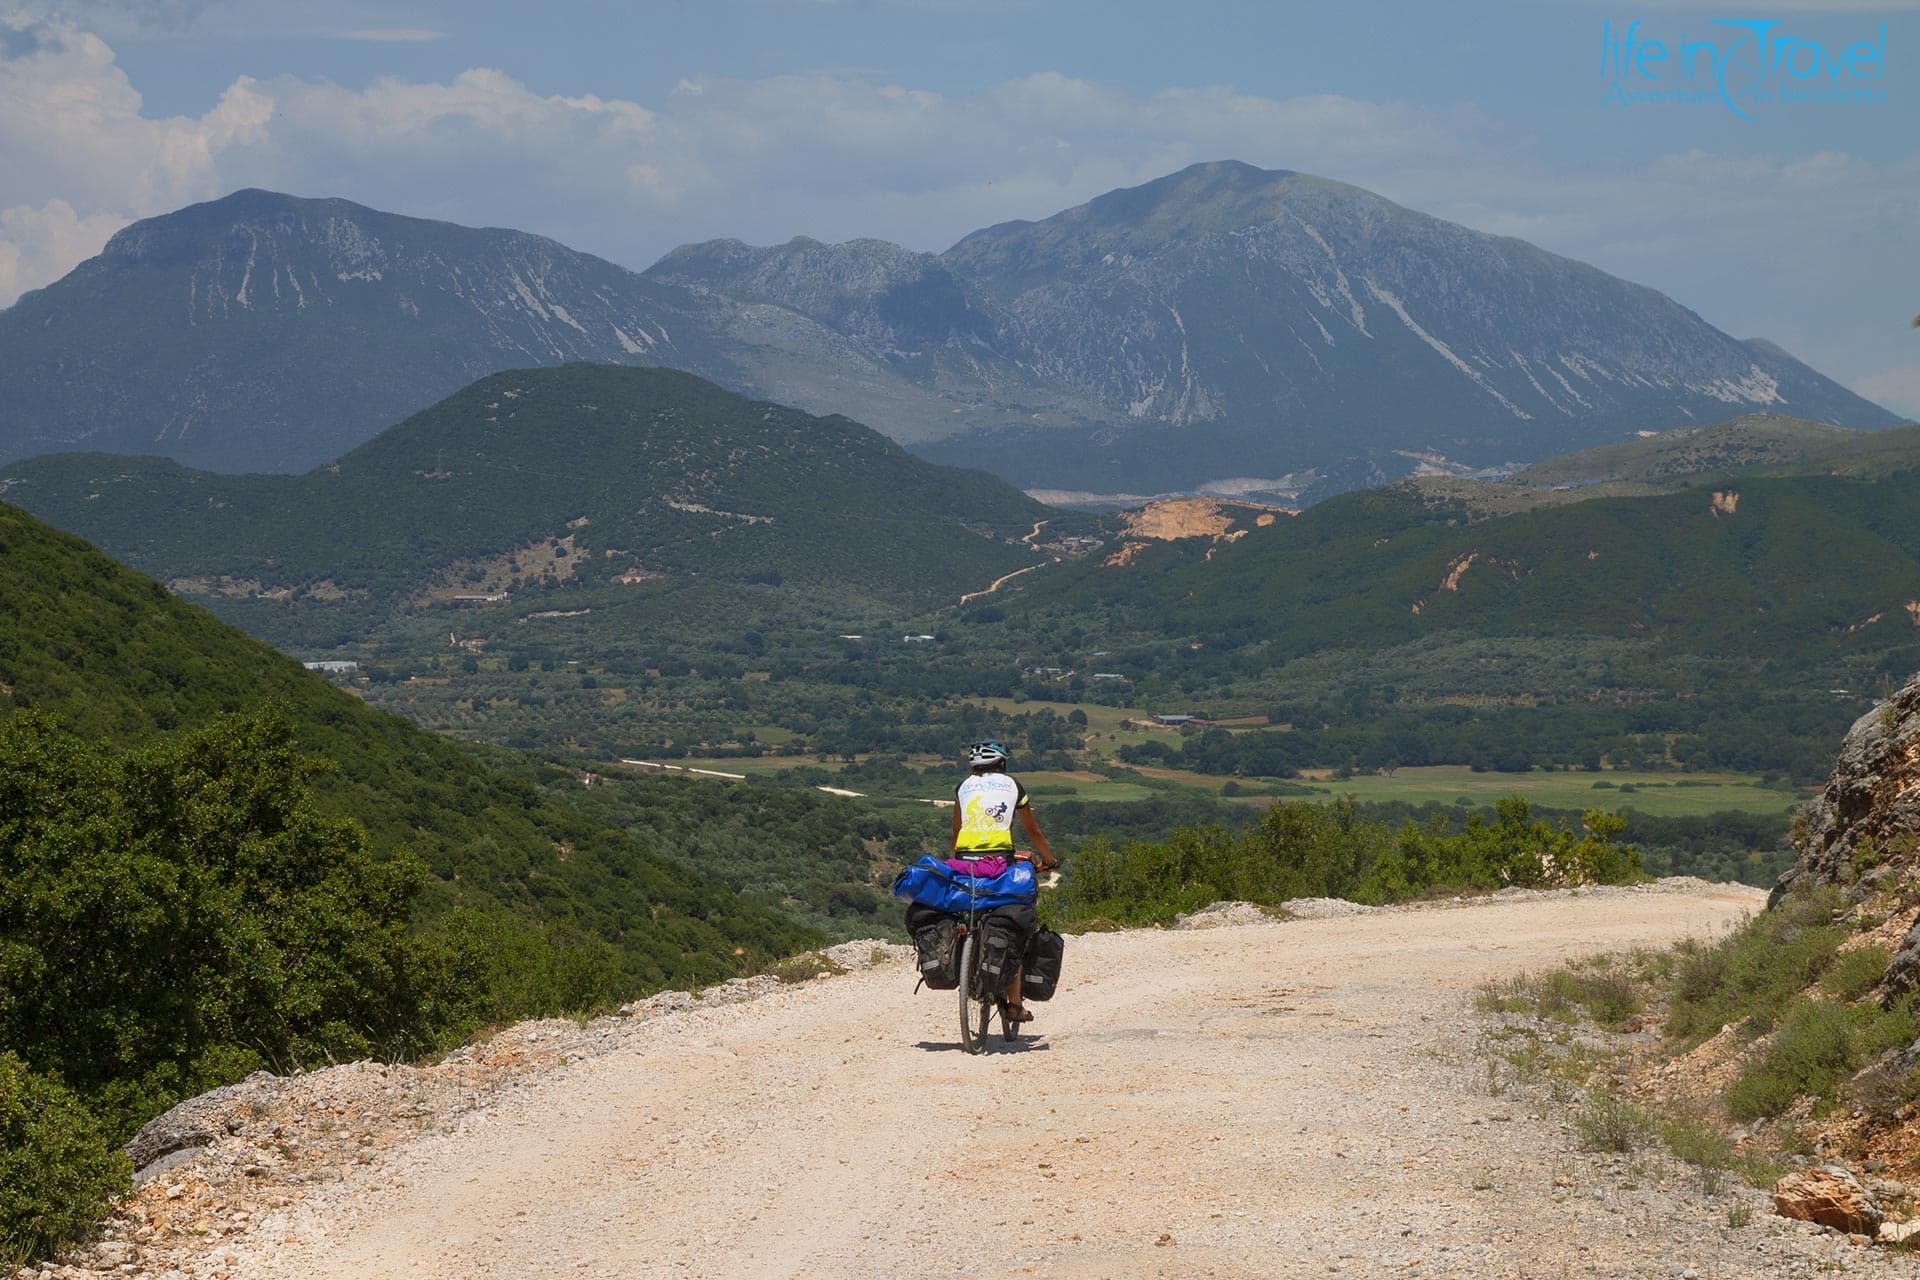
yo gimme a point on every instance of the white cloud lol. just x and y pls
(1792, 247)
(41, 244)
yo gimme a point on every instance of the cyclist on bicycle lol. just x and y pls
(984, 805)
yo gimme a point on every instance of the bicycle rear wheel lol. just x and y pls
(969, 978)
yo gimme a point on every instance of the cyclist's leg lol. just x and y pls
(1020, 922)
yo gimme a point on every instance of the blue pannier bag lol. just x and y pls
(931, 884)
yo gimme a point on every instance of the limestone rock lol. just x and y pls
(197, 1121)
(1829, 1196)
(1222, 915)
(1903, 970)
(1325, 908)
(1871, 802)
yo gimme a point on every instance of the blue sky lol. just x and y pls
(627, 128)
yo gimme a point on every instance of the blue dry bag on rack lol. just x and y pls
(931, 883)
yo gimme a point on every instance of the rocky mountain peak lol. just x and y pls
(1224, 321)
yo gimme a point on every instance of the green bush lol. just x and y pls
(1856, 972)
(1818, 1044)
(1750, 975)
(201, 857)
(59, 1169)
(1810, 1052)
(1299, 850)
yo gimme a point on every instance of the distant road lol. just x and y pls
(1005, 578)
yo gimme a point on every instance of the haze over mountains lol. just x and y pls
(1223, 323)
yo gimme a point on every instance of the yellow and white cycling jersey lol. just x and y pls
(986, 802)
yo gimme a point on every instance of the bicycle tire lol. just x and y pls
(969, 977)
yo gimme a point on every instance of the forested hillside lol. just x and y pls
(584, 476)
(112, 656)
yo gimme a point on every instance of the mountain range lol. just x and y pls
(1257, 330)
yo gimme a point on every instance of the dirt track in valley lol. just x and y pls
(1297, 1098)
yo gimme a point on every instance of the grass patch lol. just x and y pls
(1608, 1122)
(1699, 1142)
(1758, 1169)
(1605, 994)
(801, 968)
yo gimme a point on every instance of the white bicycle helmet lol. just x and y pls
(984, 755)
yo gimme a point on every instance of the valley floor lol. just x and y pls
(1298, 1098)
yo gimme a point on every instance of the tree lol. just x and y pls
(179, 914)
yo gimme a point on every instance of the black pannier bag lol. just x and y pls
(1041, 972)
(1003, 937)
(937, 937)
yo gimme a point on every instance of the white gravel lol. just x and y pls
(1283, 1098)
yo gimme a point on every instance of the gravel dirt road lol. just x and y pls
(1297, 1098)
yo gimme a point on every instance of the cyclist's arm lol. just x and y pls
(955, 842)
(1047, 861)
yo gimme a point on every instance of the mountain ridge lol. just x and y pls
(1220, 321)
(1174, 324)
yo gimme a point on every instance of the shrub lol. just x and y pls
(1856, 972)
(58, 1167)
(1819, 1043)
(1808, 1054)
(1700, 1144)
(202, 857)
(1750, 975)
(1610, 1123)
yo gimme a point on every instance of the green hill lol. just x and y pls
(213, 861)
(1755, 440)
(1730, 626)
(113, 656)
(1753, 445)
(1772, 564)
(591, 476)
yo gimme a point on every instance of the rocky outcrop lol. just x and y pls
(198, 1122)
(1830, 1196)
(1869, 814)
